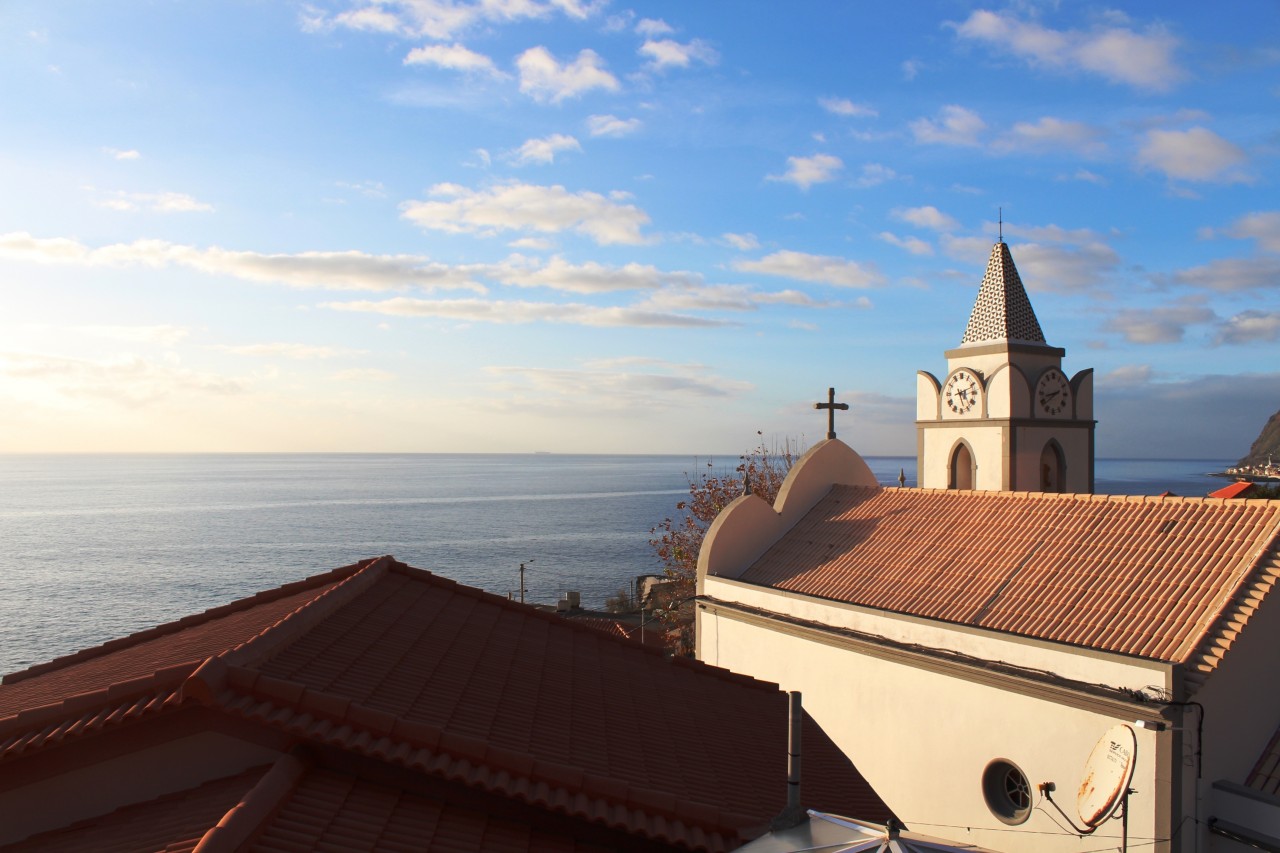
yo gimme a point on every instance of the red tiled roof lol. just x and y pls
(651, 636)
(336, 811)
(400, 666)
(1172, 579)
(174, 823)
(1235, 490)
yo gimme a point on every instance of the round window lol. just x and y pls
(1007, 792)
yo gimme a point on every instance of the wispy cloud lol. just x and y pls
(1247, 327)
(668, 53)
(279, 349)
(847, 108)
(592, 277)
(804, 172)
(824, 269)
(543, 78)
(874, 174)
(1049, 134)
(954, 125)
(438, 19)
(741, 242)
(122, 154)
(914, 245)
(1263, 226)
(454, 57)
(1144, 60)
(926, 217)
(527, 207)
(162, 202)
(521, 313)
(1231, 275)
(1160, 325)
(1197, 154)
(612, 126)
(322, 270)
(543, 151)
(128, 381)
(653, 27)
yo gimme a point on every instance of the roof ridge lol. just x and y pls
(257, 805)
(185, 622)
(506, 603)
(305, 616)
(365, 730)
(55, 723)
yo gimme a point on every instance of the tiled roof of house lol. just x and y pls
(1237, 489)
(398, 666)
(1172, 579)
(1002, 311)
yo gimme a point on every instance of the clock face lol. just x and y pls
(1053, 393)
(961, 392)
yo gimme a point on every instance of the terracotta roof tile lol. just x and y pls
(187, 641)
(1235, 490)
(174, 823)
(1165, 578)
(337, 811)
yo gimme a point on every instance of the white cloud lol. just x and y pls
(363, 374)
(926, 217)
(1197, 154)
(874, 174)
(614, 390)
(816, 268)
(1263, 226)
(454, 57)
(1089, 177)
(667, 53)
(911, 69)
(439, 20)
(543, 78)
(1249, 327)
(653, 27)
(527, 207)
(1142, 60)
(279, 349)
(521, 313)
(723, 297)
(1163, 325)
(1053, 133)
(1052, 233)
(846, 107)
(954, 125)
(914, 245)
(538, 244)
(804, 172)
(163, 202)
(609, 125)
(129, 381)
(1065, 268)
(165, 336)
(1232, 275)
(741, 242)
(123, 154)
(592, 277)
(327, 270)
(544, 150)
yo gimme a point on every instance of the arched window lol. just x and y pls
(962, 467)
(1053, 468)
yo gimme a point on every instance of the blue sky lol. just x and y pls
(583, 226)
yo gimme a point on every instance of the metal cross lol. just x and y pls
(831, 405)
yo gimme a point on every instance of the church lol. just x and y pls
(991, 643)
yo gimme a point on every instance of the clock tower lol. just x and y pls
(1005, 416)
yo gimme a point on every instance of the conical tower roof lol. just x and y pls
(1002, 311)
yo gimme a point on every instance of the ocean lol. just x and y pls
(94, 547)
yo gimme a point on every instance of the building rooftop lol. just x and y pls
(411, 691)
(1172, 579)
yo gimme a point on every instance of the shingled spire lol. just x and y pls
(1002, 311)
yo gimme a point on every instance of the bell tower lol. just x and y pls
(1005, 417)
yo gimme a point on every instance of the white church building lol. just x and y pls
(969, 643)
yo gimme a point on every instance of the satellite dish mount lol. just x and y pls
(1104, 786)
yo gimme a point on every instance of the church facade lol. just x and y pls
(970, 643)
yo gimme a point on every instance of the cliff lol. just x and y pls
(1267, 444)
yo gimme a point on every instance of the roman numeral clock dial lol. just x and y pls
(961, 393)
(1053, 393)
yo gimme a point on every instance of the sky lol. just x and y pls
(600, 227)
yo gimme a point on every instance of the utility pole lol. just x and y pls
(522, 580)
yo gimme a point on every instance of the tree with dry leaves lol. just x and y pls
(678, 538)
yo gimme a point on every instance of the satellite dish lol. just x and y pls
(1107, 774)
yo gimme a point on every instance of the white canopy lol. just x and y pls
(828, 833)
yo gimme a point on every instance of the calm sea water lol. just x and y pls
(94, 547)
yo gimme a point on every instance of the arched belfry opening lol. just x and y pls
(1053, 468)
(963, 468)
